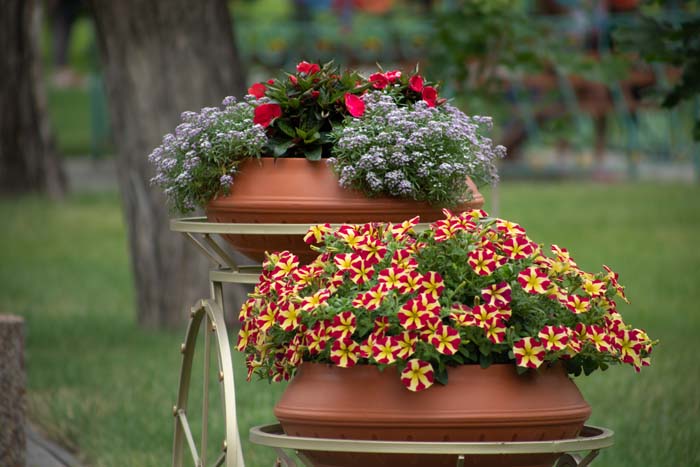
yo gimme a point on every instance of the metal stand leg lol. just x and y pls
(211, 312)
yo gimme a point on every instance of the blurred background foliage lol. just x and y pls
(572, 85)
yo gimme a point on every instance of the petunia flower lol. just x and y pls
(407, 345)
(518, 247)
(410, 282)
(529, 352)
(349, 235)
(462, 315)
(267, 317)
(446, 339)
(317, 337)
(343, 325)
(288, 316)
(403, 259)
(510, 228)
(554, 338)
(418, 375)
(483, 315)
(344, 353)
(495, 330)
(497, 295)
(415, 313)
(432, 284)
(534, 280)
(482, 261)
(599, 337)
(613, 279)
(385, 350)
(318, 299)
(391, 277)
(361, 272)
(315, 233)
(578, 304)
(594, 288)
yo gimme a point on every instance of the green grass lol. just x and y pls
(99, 384)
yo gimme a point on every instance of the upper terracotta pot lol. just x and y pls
(493, 404)
(298, 191)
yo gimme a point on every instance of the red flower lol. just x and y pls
(270, 81)
(315, 94)
(257, 90)
(293, 80)
(308, 68)
(355, 105)
(393, 75)
(429, 96)
(379, 80)
(266, 113)
(416, 83)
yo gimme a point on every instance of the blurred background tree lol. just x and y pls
(159, 59)
(28, 159)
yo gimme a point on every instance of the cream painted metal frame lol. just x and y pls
(210, 312)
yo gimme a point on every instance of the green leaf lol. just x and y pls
(279, 149)
(441, 374)
(285, 128)
(314, 153)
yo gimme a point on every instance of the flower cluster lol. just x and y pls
(389, 133)
(199, 160)
(468, 290)
(419, 152)
(300, 110)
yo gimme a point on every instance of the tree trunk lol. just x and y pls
(28, 160)
(161, 58)
(13, 442)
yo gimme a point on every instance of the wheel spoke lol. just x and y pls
(182, 417)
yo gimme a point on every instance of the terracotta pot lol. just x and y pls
(493, 404)
(297, 191)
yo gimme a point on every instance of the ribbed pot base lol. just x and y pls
(493, 404)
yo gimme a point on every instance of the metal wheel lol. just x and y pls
(229, 454)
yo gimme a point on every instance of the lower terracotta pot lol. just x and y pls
(493, 404)
(298, 191)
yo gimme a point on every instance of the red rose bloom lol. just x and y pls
(393, 75)
(355, 105)
(293, 79)
(266, 113)
(416, 83)
(270, 81)
(379, 80)
(257, 90)
(308, 68)
(429, 96)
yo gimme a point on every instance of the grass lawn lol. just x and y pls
(101, 385)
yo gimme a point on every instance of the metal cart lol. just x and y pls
(209, 311)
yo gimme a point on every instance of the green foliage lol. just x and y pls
(676, 43)
(312, 104)
(468, 290)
